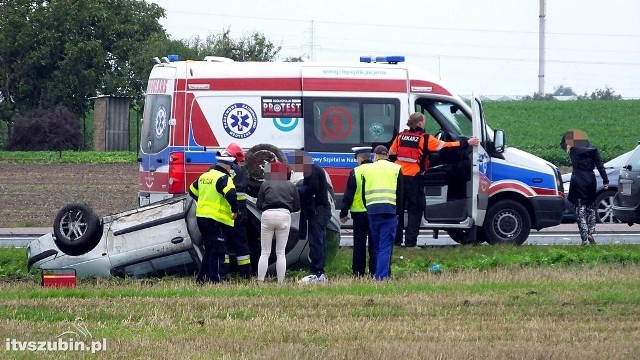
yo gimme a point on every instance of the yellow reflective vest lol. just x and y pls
(211, 203)
(381, 182)
(357, 205)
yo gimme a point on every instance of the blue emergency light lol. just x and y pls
(382, 59)
(173, 57)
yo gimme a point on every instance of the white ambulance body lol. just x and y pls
(492, 193)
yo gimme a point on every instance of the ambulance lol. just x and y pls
(490, 192)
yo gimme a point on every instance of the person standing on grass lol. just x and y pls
(237, 241)
(277, 199)
(582, 187)
(412, 147)
(382, 191)
(352, 201)
(217, 206)
(314, 195)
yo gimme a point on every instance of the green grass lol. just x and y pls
(89, 157)
(564, 302)
(408, 263)
(538, 126)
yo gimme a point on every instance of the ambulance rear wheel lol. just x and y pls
(77, 229)
(507, 222)
(256, 159)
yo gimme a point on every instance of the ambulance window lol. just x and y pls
(379, 121)
(155, 123)
(431, 125)
(456, 118)
(337, 122)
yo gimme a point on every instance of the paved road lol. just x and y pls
(564, 234)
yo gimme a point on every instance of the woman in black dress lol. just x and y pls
(582, 189)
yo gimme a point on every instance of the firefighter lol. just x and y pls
(382, 191)
(352, 201)
(412, 147)
(216, 210)
(237, 242)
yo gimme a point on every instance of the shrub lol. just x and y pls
(46, 129)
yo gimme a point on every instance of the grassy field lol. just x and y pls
(538, 126)
(526, 302)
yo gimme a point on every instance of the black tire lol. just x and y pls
(255, 160)
(464, 237)
(506, 222)
(604, 212)
(77, 229)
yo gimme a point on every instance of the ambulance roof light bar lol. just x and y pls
(382, 59)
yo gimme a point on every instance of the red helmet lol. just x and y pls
(236, 151)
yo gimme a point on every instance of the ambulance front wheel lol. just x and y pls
(506, 222)
(77, 229)
(466, 236)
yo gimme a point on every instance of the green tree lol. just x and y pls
(563, 91)
(66, 51)
(599, 94)
(538, 96)
(254, 47)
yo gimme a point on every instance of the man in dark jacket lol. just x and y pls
(352, 201)
(316, 210)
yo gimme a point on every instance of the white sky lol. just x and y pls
(487, 47)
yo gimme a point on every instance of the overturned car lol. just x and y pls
(154, 240)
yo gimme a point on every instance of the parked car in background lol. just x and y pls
(626, 203)
(604, 198)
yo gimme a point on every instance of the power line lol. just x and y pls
(397, 26)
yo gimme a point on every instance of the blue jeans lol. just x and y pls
(317, 239)
(383, 232)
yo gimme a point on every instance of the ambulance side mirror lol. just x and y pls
(499, 142)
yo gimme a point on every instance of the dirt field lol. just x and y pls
(32, 194)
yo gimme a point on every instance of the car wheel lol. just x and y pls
(507, 222)
(77, 229)
(255, 160)
(604, 212)
(464, 237)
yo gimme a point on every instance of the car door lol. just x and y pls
(148, 232)
(481, 164)
(628, 196)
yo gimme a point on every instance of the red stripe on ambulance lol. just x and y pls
(243, 84)
(204, 135)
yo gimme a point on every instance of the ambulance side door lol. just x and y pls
(481, 164)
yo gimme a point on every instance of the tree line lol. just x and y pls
(56, 55)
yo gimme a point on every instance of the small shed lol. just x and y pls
(111, 130)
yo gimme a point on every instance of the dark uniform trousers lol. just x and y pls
(213, 237)
(414, 203)
(362, 232)
(317, 239)
(238, 244)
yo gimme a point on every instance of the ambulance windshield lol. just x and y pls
(155, 123)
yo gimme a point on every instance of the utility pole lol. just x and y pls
(541, 50)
